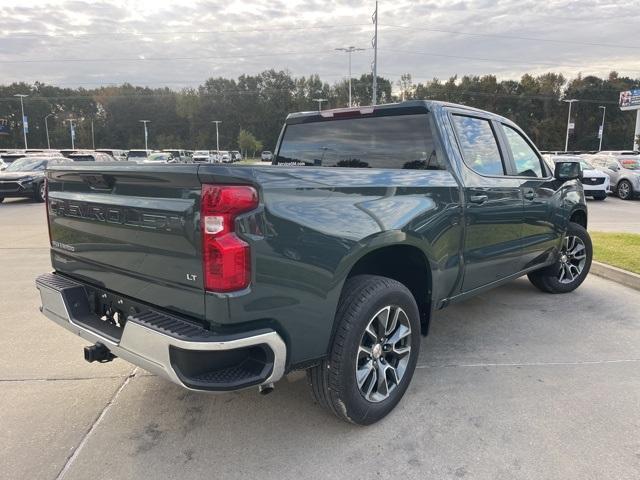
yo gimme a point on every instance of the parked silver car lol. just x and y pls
(623, 171)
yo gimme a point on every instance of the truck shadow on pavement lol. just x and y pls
(475, 402)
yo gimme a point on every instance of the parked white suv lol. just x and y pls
(595, 183)
(266, 156)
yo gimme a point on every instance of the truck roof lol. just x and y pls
(410, 105)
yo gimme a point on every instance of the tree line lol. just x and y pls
(258, 105)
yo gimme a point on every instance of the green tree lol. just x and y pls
(247, 142)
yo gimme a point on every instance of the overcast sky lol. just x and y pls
(181, 43)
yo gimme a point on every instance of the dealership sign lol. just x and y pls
(630, 100)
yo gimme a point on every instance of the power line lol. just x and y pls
(80, 35)
(501, 60)
(236, 57)
(438, 91)
(511, 37)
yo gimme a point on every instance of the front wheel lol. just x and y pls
(39, 193)
(624, 190)
(572, 266)
(374, 352)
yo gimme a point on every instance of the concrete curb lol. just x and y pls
(616, 274)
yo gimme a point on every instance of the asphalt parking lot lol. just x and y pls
(614, 215)
(514, 384)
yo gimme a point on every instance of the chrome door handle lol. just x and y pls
(478, 198)
(530, 195)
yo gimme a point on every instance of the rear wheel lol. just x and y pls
(624, 190)
(572, 266)
(374, 352)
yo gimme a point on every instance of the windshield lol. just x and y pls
(159, 157)
(27, 165)
(629, 164)
(586, 165)
(201, 152)
(139, 153)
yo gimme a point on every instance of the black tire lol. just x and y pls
(548, 279)
(38, 194)
(624, 190)
(333, 382)
(1, 199)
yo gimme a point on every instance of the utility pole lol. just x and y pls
(146, 134)
(93, 137)
(566, 142)
(320, 100)
(349, 50)
(72, 131)
(217, 122)
(25, 123)
(601, 132)
(46, 128)
(374, 95)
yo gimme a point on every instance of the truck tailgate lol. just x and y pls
(130, 228)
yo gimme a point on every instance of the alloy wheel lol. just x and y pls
(383, 353)
(624, 190)
(573, 257)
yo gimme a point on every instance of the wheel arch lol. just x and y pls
(579, 216)
(405, 263)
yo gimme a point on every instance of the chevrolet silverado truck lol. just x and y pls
(333, 259)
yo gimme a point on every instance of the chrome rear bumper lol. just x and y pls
(168, 346)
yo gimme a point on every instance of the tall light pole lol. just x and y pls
(320, 100)
(93, 137)
(566, 142)
(601, 132)
(25, 123)
(349, 50)
(72, 131)
(374, 95)
(146, 134)
(217, 122)
(46, 128)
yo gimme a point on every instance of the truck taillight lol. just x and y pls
(226, 258)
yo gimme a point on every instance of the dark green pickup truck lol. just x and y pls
(333, 259)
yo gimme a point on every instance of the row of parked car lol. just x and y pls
(613, 171)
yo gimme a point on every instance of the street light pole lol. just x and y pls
(46, 128)
(146, 134)
(72, 132)
(374, 96)
(320, 100)
(217, 122)
(604, 112)
(349, 50)
(93, 137)
(25, 125)
(566, 142)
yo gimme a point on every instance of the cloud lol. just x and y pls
(162, 42)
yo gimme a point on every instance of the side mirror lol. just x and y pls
(568, 171)
(613, 166)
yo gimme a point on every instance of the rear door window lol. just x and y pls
(479, 145)
(398, 141)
